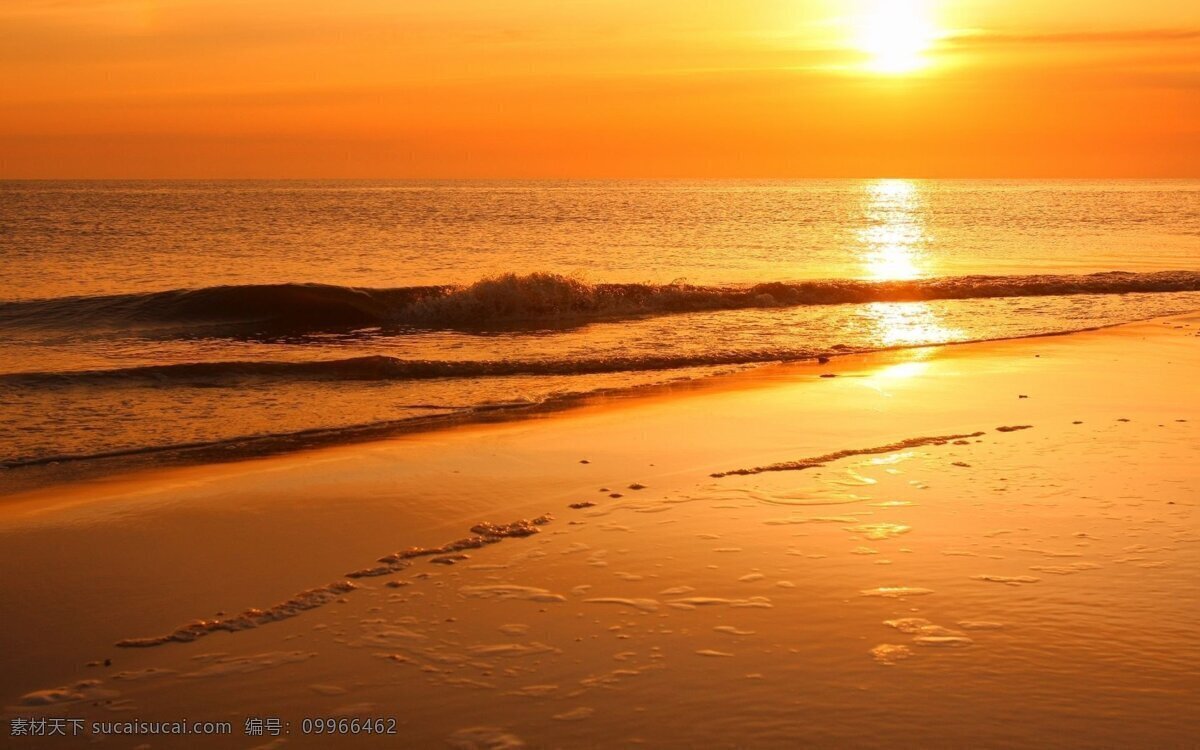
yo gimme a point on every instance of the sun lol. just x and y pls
(896, 34)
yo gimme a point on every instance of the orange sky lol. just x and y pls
(595, 88)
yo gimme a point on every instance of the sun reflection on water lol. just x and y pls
(893, 240)
(894, 248)
(907, 324)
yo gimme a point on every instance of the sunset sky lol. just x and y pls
(599, 88)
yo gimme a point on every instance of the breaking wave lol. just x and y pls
(533, 301)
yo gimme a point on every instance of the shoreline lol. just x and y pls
(23, 476)
(906, 564)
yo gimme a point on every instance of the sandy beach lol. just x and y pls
(495, 375)
(987, 545)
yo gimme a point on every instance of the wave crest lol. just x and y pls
(533, 300)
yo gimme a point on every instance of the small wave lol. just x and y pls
(382, 368)
(534, 300)
(291, 306)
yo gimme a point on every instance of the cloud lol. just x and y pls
(1134, 36)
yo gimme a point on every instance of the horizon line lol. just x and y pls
(1009, 178)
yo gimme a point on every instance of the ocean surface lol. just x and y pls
(137, 318)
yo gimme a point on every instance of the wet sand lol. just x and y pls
(884, 561)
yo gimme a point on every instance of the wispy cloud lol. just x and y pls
(984, 38)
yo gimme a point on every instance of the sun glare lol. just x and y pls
(896, 34)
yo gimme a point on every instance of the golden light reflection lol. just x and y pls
(907, 324)
(882, 381)
(896, 34)
(888, 460)
(894, 238)
(903, 371)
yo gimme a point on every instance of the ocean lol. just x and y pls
(142, 319)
